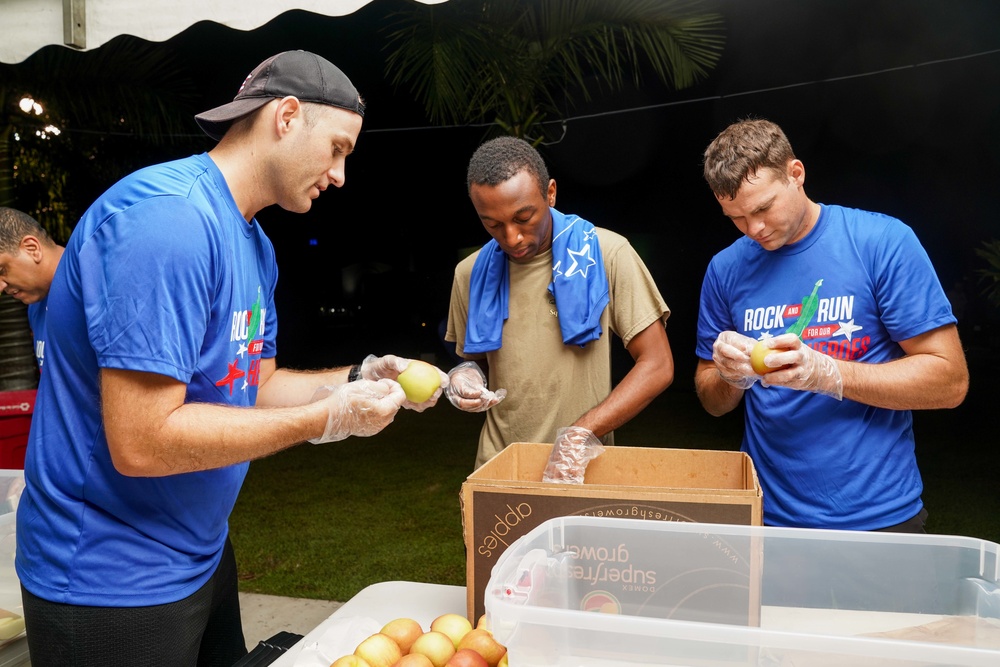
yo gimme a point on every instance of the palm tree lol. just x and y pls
(990, 275)
(115, 108)
(519, 64)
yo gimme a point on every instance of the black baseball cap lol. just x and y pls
(305, 75)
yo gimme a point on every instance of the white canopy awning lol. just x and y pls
(28, 25)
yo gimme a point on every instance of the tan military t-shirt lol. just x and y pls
(550, 385)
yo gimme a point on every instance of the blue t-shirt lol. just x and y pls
(823, 462)
(161, 275)
(36, 320)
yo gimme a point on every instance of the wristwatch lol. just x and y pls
(355, 373)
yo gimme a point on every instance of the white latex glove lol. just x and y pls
(731, 354)
(389, 367)
(360, 408)
(467, 388)
(575, 446)
(804, 369)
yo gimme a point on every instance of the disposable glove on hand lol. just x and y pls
(467, 388)
(389, 367)
(574, 448)
(376, 368)
(804, 368)
(360, 408)
(731, 354)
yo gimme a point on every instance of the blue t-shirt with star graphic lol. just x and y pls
(161, 275)
(864, 283)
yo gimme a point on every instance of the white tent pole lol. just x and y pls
(75, 23)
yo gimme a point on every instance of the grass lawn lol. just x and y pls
(325, 521)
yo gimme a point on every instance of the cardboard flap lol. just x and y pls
(688, 470)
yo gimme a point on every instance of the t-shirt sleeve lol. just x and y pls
(909, 294)
(147, 276)
(270, 350)
(713, 313)
(458, 309)
(635, 302)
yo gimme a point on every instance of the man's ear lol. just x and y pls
(31, 246)
(288, 109)
(797, 172)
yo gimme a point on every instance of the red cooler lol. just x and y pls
(16, 408)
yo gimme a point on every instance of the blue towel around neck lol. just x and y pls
(579, 285)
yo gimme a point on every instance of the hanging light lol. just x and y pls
(28, 105)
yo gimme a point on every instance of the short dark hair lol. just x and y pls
(14, 226)
(499, 160)
(743, 149)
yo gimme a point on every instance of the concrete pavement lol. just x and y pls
(265, 615)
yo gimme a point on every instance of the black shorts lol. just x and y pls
(915, 525)
(203, 629)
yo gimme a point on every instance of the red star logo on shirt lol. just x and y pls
(234, 374)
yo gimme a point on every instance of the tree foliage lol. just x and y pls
(522, 64)
(990, 275)
(118, 107)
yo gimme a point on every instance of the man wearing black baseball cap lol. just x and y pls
(301, 74)
(161, 383)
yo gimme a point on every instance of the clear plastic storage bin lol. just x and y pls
(13, 645)
(601, 591)
(11, 485)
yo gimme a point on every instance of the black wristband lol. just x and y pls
(355, 373)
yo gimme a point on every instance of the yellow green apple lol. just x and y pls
(419, 381)
(454, 625)
(435, 645)
(757, 355)
(379, 650)
(482, 642)
(414, 660)
(404, 631)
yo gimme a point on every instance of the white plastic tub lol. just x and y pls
(597, 591)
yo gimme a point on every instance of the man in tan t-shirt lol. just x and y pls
(535, 311)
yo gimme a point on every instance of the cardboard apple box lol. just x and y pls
(505, 498)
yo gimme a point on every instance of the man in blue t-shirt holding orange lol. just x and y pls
(161, 384)
(856, 332)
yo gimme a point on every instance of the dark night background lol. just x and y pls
(892, 106)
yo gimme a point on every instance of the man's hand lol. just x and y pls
(803, 368)
(574, 447)
(360, 408)
(467, 388)
(731, 354)
(389, 367)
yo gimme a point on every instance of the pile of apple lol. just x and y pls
(451, 641)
